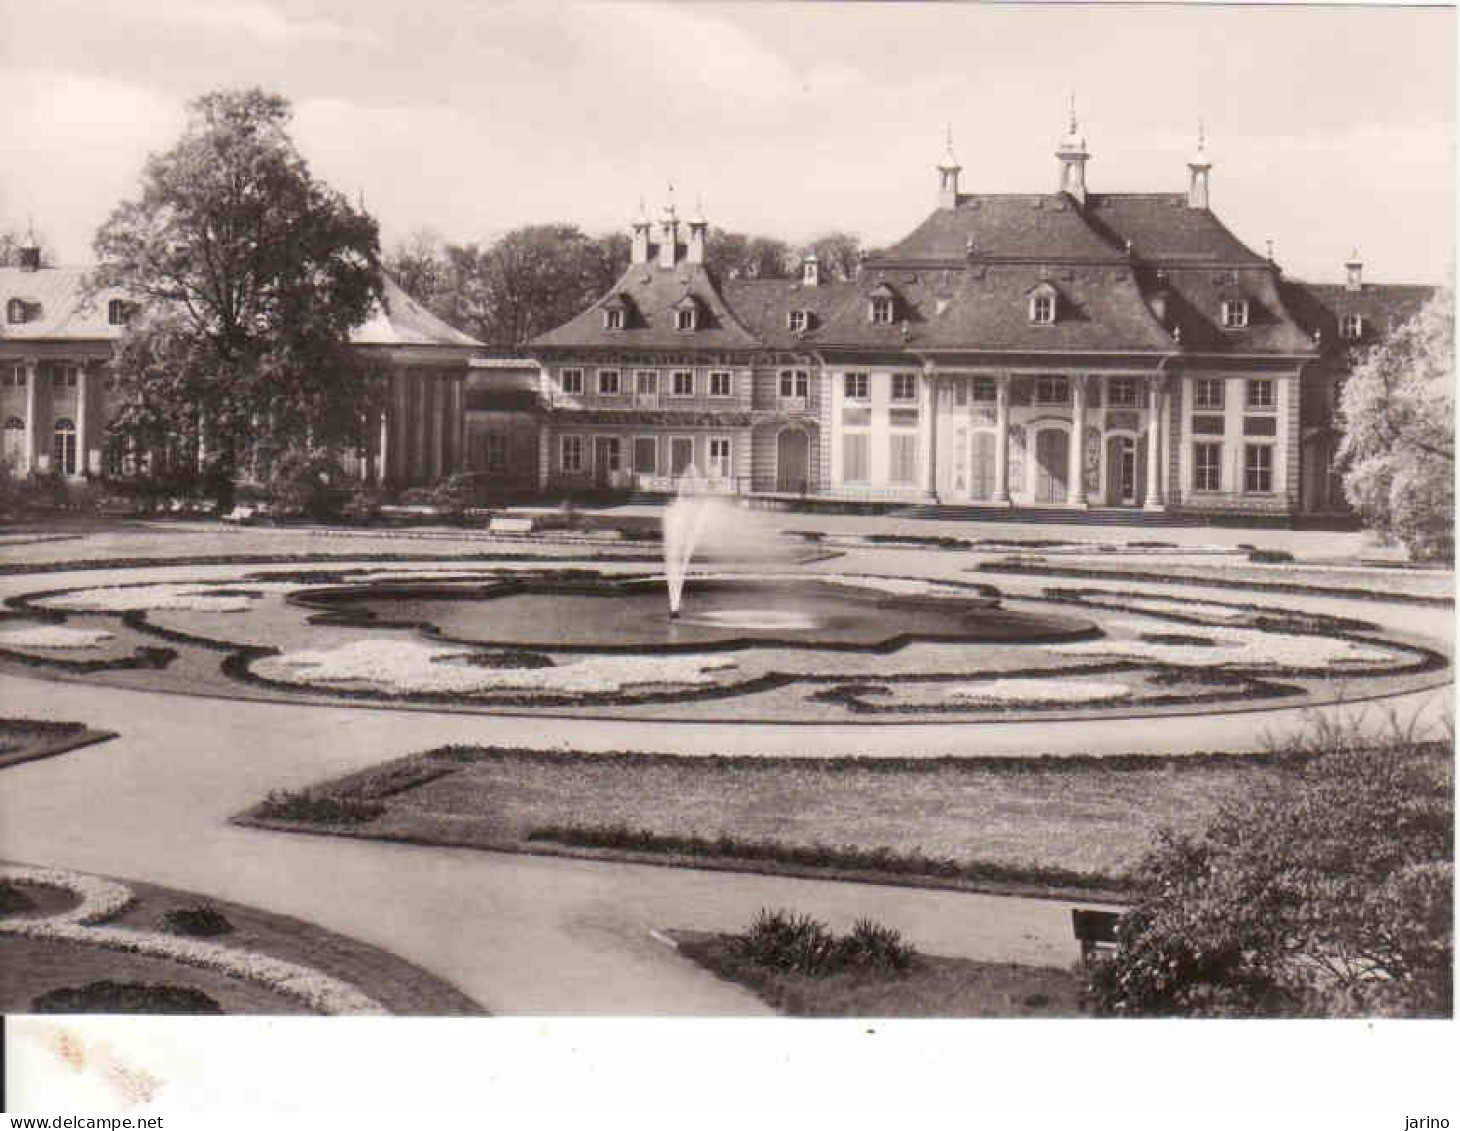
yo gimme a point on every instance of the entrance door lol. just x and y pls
(681, 455)
(607, 459)
(981, 469)
(1052, 454)
(1121, 472)
(791, 460)
(646, 455)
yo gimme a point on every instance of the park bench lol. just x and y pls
(1095, 931)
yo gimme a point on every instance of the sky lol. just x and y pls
(1329, 128)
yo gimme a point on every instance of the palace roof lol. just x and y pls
(60, 307)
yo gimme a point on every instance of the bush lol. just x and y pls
(197, 922)
(1326, 892)
(13, 899)
(313, 807)
(799, 944)
(305, 483)
(125, 997)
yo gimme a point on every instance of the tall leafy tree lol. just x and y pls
(838, 254)
(249, 274)
(1398, 450)
(729, 254)
(531, 279)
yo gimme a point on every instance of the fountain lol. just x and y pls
(685, 520)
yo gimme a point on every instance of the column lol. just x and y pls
(930, 436)
(1156, 398)
(382, 459)
(32, 378)
(1075, 475)
(202, 440)
(83, 458)
(1001, 445)
(438, 427)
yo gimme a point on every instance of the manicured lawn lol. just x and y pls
(30, 967)
(1088, 816)
(934, 987)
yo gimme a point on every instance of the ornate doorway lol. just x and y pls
(792, 460)
(1052, 460)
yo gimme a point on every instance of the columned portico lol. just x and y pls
(83, 436)
(1001, 443)
(1075, 475)
(1156, 395)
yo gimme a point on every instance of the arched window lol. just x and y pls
(13, 452)
(63, 447)
(116, 312)
(15, 311)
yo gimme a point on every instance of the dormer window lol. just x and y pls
(1043, 305)
(798, 321)
(116, 312)
(613, 319)
(1234, 314)
(15, 311)
(685, 320)
(1351, 327)
(881, 311)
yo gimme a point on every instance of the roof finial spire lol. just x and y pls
(669, 202)
(1074, 118)
(1201, 134)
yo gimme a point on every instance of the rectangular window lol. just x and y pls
(1257, 471)
(1351, 327)
(797, 320)
(681, 454)
(572, 449)
(572, 381)
(1206, 467)
(646, 383)
(903, 458)
(795, 383)
(66, 377)
(1051, 390)
(1261, 393)
(1259, 426)
(1041, 309)
(1123, 392)
(856, 447)
(882, 310)
(683, 383)
(15, 376)
(613, 319)
(684, 319)
(1208, 425)
(1209, 392)
(719, 383)
(646, 455)
(985, 390)
(608, 383)
(904, 387)
(496, 451)
(960, 392)
(608, 451)
(1234, 314)
(854, 386)
(719, 457)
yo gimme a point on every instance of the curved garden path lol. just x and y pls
(523, 934)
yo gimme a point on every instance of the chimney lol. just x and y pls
(30, 257)
(639, 248)
(1198, 192)
(1072, 154)
(1354, 268)
(811, 271)
(698, 231)
(948, 170)
(668, 237)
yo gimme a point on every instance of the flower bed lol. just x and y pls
(54, 636)
(102, 899)
(414, 667)
(203, 597)
(1245, 648)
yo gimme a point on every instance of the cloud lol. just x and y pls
(256, 19)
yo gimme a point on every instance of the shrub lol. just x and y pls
(197, 922)
(799, 944)
(13, 899)
(1269, 557)
(125, 997)
(1327, 891)
(313, 807)
(307, 483)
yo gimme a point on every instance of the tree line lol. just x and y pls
(533, 278)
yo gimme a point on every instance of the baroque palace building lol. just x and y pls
(58, 392)
(1073, 349)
